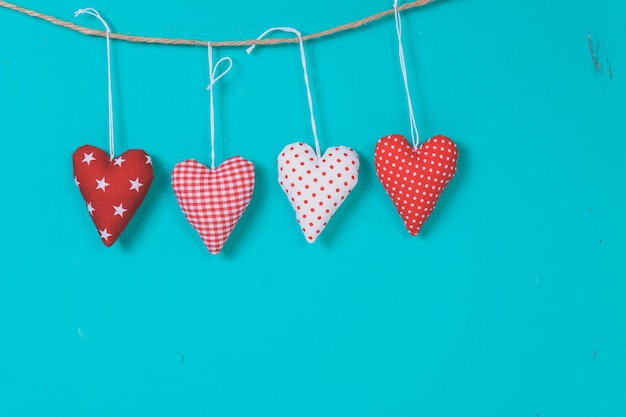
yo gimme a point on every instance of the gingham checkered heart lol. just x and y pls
(213, 200)
(316, 187)
(414, 178)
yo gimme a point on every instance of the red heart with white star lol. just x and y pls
(213, 200)
(316, 186)
(414, 178)
(113, 189)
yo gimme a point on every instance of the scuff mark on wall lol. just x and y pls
(599, 58)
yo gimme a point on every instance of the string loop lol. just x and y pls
(415, 136)
(93, 12)
(306, 77)
(214, 78)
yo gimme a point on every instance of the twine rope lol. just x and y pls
(190, 42)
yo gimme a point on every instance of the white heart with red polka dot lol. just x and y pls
(316, 186)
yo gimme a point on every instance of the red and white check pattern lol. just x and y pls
(213, 200)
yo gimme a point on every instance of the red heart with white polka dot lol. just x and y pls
(316, 186)
(414, 178)
(113, 188)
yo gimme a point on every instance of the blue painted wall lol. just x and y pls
(511, 302)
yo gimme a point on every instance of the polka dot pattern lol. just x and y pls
(316, 187)
(414, 178)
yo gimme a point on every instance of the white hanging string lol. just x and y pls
(415, 137)
(306, 77)
(94, 12)
(213, 78)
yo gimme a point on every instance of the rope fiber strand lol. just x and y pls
(191, 42)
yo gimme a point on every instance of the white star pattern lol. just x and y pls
(134, 185)
(102, 184)
(88, 157)
(104, 234)
(119, 210)
(107, 185)
(118, 161)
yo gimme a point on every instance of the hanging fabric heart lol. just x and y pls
(213, 200)
(414, 176)
(315, 184)
(113, 188)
